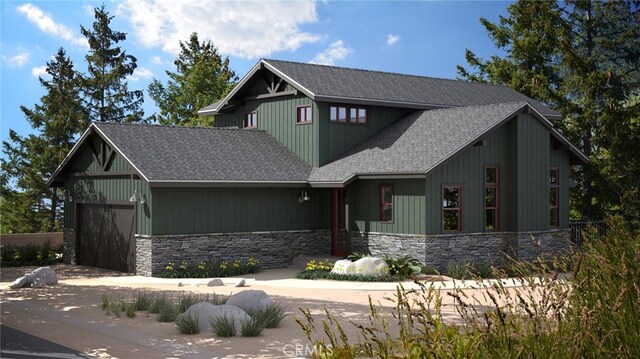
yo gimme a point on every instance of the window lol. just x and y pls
(386, 203)
(452, 208)
(554, 197)
(250, 120)
(303, 114)
(348, 114)
(491, 198)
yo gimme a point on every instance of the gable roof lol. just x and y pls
(169, 155)
(340, 84)
(415, 144)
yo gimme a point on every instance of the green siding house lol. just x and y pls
(323, 160)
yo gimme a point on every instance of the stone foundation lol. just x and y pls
(273, 249)
(481, 248)
(69, 245)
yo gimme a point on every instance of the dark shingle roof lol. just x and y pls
(188, 154)
(347, 83)
(416, 143)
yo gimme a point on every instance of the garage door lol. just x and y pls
(105, 236)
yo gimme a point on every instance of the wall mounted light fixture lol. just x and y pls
(67, 195)
(134, 197)
(304, 196)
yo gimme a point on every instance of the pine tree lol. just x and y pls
(202, 76)
(27, 204)
(582, 58)
(108, 96)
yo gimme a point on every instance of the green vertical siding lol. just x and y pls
(335, 139)
(228, 210)
(84, 162)
(560, 159)
(408, 206)
(277, 116)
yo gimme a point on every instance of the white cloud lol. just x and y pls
(335, 51)
(46, 24)
(238, 28)
(392, 39)
(141, 73)
(17, 60)
(39, 71)
(156, 60)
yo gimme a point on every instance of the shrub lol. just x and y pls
(251, 328)
(105, 302)
(143, 300)
(458, 270)
(355, 256)
(130, 309)
(167, 312)
(403, 266)
(428, 270)
(481, 270)
(270, 316)
(187, 324)
(187, 300)
(323, 274)
(218, 299)
(30, 255)
(158, 303)
(314, 265)
(210, 269)
(223, 326)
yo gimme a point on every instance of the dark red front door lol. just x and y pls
(339, 222)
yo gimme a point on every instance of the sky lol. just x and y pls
(420, 37)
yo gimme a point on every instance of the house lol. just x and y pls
(323, 160)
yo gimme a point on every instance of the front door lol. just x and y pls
(339, 222)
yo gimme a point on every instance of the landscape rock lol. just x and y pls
(216, 282)
(206, 311)
(241, 283)
(180, 284)
(47, 276)
(364, 266)
(249, 300)
(37, 283)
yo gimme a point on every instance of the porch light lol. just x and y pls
(304, 196)
(134, 197)
(67, 195)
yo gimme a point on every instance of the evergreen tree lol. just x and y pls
(105, 86)
(583, 59)
(27, 204)
(202, 76)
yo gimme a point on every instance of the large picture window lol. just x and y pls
(348, 114)
(303, 114)
(250, 120)
(452, 208)
(491, 198)
(554, 197)
(386, 203)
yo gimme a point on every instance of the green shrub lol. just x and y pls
(218, 299)
(428, 270)
(314, 265)
(167, 312)
(130, 309)
(187, 324)
(30, 255)
(223, 326)
(143, 300)
(158, 303)
(458, 270)
(323, 274)
(210, 269)
(251, 328)
(403, 266)
(105, 302)
(187, 300)
(270, 316)
(481, 270)
(355, 256)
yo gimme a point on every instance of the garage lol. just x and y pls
(105, 236)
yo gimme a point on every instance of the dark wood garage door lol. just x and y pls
(105, 236)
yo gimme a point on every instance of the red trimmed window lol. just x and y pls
(491, 198)
(452, 208)
(348, 114)
(304, 114)
(386, 203)
(250, 120)
(554, 197)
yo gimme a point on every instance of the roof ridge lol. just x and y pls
(390, 73)
(99, 123)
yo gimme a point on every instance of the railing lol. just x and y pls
(580, 230)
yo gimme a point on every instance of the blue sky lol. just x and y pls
(423, 38)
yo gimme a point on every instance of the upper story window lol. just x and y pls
(386, 203)
(304, 114)
(491, 198)
(452, 208)
(348, 114)
(554, 197)
(250, 120)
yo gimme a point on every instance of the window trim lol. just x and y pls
(457, 209)
(347, 119)
(244, 119)
(306, 122)
(496, 186)
(382, 203)
(557, 206)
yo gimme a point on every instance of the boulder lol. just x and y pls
(206, 311)
(46, 275)
(249, 300)
(241, 283)
(364, 266)
(216, 282)
(37, 283)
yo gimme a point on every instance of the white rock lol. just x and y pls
(37, 283)
(24, 281)
(241, 283)
(364, 266)
(206, 311)
(249, 300)
(216, 282)
(195, 285)
(47, 276)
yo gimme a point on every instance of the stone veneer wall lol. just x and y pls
(273, 249)
(487, 248)
(69, 245)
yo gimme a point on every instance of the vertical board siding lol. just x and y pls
(84, 162)
(229, 210)
(560, 159)
(335, 139)
(277, 116)
(363, 197)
